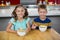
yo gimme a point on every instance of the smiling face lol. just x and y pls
(42, 12)
(20, 11)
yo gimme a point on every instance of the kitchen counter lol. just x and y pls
(50, 34)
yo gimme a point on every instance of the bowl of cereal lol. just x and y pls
(42, 28)
(21, 32)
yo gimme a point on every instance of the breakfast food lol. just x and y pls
(42, 28)
(21, 32)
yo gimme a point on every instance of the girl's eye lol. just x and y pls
(20, 11)
(17, 11)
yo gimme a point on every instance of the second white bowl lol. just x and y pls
(42, 29)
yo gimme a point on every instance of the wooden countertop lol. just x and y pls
(32, 35)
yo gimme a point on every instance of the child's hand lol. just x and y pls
(27, 30)
(34, 26)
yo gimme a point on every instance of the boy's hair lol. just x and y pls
(15, 15)
(42, 7)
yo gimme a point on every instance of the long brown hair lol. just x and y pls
(15, 15)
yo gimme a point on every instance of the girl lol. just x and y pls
(20, 20)
(49, 34)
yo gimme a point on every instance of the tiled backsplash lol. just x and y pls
(52, 10)
(6, 12)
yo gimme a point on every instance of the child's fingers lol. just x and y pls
(33, 27)
(27, 30)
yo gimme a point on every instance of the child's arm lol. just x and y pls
(28, 27)
(8, 29)
(49, 26)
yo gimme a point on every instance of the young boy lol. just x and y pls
(42, 19)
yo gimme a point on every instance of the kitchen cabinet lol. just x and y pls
(12, 2)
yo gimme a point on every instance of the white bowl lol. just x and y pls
(21, 33)
(43, 29)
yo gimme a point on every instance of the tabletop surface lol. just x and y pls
(50, 34)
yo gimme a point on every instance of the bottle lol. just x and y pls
(45, 2)
(40, 2)
(7, 3)
(2, 3)
(55, 2)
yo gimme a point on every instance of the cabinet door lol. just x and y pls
(3, 1)
(0, 1)
(15, 2)
(58, 1)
